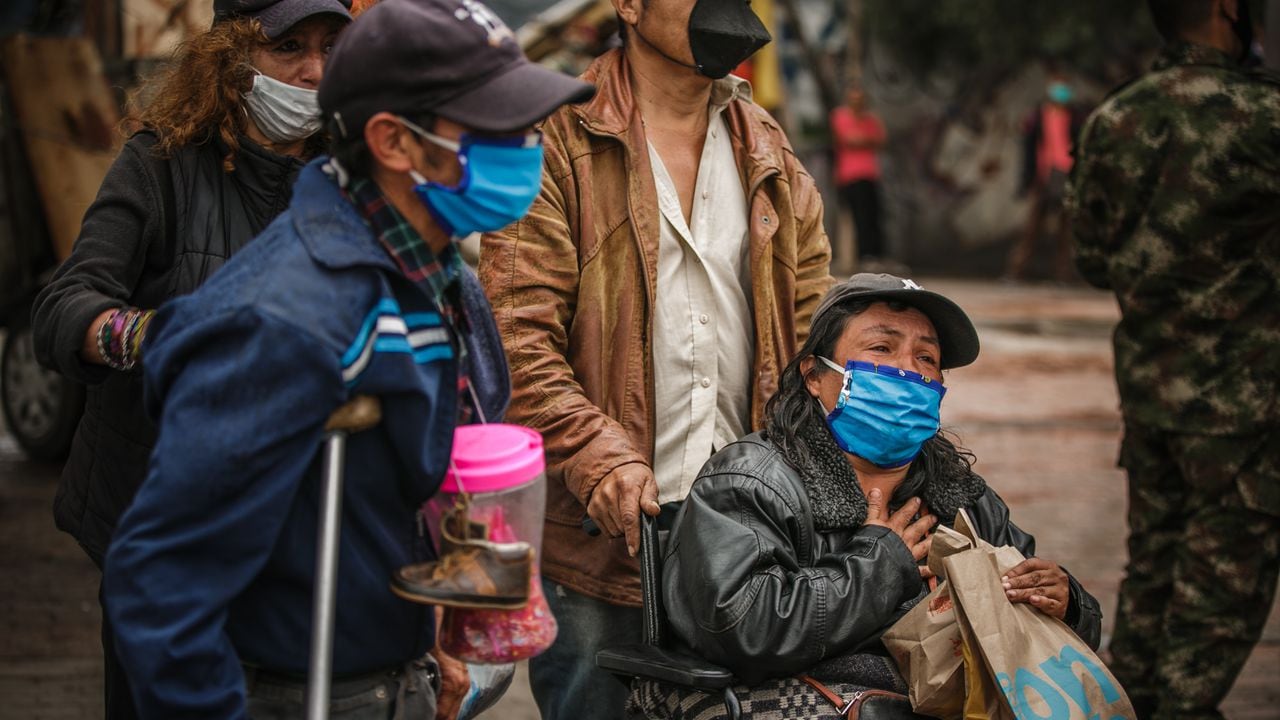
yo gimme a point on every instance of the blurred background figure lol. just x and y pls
(857, 136)
(1050, 130)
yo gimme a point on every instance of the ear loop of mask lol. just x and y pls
(833, 366)
(431, 137)
(436, 140)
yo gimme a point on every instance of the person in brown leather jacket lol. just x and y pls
(647, 304)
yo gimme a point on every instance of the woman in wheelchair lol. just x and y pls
(801, 544)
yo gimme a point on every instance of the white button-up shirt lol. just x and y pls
(703, 333)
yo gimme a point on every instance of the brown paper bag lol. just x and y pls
(1039, 665)
(925, 642)
(980, 699)
(926, 645)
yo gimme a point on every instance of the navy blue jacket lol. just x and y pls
(213, 563)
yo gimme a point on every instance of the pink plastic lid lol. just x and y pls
(489, 458)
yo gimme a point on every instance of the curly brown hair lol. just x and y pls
(200, 91)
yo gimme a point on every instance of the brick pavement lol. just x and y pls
(1038, 408)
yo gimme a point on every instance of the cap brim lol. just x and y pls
(519, 97)
(957, 337)
(277, 19)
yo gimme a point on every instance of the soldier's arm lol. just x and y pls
(1089, 210)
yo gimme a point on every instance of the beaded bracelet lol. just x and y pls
(130, 325)
(104, 338)
(120, 337)
(131, 337)
(142, 333)
(118, 323)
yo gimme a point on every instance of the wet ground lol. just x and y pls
(1038, 408)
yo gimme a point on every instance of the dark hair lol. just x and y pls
(941, 460)
(1175, 17)
(792, 407)
(352, 152)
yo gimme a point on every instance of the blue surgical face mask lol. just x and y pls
(884, 414)
(501, 177)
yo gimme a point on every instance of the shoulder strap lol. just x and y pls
(842, 707)
(899, 705)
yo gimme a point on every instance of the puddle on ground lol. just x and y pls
(1053, 327)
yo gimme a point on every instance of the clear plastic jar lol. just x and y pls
(503, 471)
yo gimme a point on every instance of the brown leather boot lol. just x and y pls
(471, 573)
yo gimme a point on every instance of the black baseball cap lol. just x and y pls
(277, 16)
(454, 59)
(956, 334)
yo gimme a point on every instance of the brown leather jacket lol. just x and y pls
(573, 283)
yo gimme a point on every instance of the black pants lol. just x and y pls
(117, 697)
(863, 199)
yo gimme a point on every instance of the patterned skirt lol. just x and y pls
(778, 699)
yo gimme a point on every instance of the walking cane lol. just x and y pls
(360, 413)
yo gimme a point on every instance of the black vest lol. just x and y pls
(208, 216)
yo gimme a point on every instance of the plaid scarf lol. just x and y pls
(440, 276)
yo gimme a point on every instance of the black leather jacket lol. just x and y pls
(158, 228)
(753, 583)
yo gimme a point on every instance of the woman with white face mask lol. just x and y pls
(221, 135)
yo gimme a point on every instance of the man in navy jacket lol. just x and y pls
(356, 289)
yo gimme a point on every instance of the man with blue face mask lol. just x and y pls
(356, 289)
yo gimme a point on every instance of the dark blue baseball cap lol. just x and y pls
(277, 16)
(454, 59)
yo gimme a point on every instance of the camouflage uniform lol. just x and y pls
(1175, 204)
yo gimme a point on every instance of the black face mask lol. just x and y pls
(722, 33)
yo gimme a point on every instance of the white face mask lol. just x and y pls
(283, 112)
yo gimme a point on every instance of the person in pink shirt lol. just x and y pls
(1050, 132)
(858, 135)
